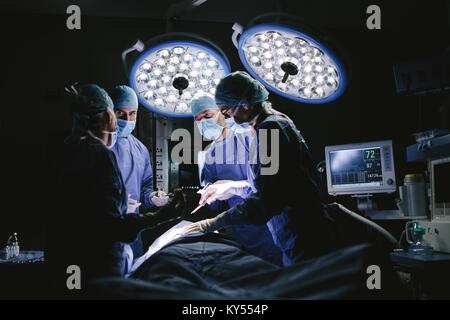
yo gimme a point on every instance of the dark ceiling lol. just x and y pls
(398, 15)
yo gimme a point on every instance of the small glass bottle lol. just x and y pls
(7, 251)
(13, 246)
(16, 245)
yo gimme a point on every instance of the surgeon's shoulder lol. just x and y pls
(97, 151)
(137, 143)
(274, 121)
(93, 146)
(107, 154)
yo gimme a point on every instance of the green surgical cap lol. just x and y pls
(240, 89)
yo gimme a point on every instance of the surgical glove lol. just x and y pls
(159, 198)
(223, 190)
(207, 225)
(173, 210)
(132, 205)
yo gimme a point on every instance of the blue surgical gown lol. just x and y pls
(288, 200)
(229, 160)
(134, 163)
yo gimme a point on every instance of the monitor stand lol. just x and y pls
(369, 209)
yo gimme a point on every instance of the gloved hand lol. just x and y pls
(174, 209)
(207, 225)
(223, 190)
(159, 198)
(132, 205)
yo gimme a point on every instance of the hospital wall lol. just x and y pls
(42, 57)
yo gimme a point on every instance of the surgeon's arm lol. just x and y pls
(125, 228)
(112, 222)
(210, 176)
(147, 182)
(272, 191)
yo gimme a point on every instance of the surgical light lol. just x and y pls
(291, 63)
(167, 75)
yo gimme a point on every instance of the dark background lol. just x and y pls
(41, 56)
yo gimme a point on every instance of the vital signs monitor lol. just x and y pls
(360, 168)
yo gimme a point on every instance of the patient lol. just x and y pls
(213, 266)
(88, 225)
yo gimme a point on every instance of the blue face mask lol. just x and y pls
(242, 128)
(125, 127)
(230, 122)
(239, 128)
(209, 128)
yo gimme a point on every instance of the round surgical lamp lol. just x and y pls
(290, 62)
(168, 74)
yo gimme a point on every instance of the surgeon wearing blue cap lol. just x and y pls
(227, 158)
(289, 199)
(133, 158)
(88, 225)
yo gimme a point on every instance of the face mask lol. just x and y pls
(242, 128)
(113, 138)
(239, 128)
(125, 127)
(245, 124)
(230, 122)
(209, 128)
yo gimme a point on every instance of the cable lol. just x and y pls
(383, 231)
(399, 244)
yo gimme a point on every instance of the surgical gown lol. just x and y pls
(88, 225)
(289, 201)
(229, 160)
(134, 163)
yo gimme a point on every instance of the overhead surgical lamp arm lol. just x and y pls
(179, 9)
(139, 46)
(238, 29)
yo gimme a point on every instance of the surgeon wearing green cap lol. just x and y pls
(289, 200)
(88, 225)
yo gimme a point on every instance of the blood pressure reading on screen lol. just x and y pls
(356, 167)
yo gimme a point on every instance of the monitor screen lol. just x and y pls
(441, 187)
(360, 168)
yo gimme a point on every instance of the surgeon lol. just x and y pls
(88, 225)
(289, 199)
(232, 147)
(227, 158)
(133, 159)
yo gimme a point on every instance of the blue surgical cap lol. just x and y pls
(87, 100)
(202, 103)
(124, 97)
(240, 89)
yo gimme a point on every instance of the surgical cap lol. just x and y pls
(124, 97)
(240, 89)
(202, 103)
(87, 100)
